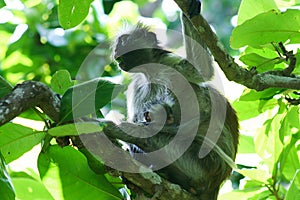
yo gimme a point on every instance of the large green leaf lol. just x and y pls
(66, 174)
(268, 27)
(87, 98)
(249, 9)
(72, 12)
(15, 140)
(6, 188)
(29, 188)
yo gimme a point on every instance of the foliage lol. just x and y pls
(58, 42)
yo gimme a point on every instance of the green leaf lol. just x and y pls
(265, 195)
(262, 64)
(69, 177)
(267, 141)
(61, 81)
(87, 98)
(244, 194)
(255, 174)
(15, 140)
(252, 95)
(5, 87)
(2, 3)
(72, 12)
(246, 144)
(293, 116)
(289, 161)
(75, 129)
(293, 192)
(94, 163)
(268, 27)
(249, 9)
(250, 109)
(246, 109)
(6, 188)
(29, 188)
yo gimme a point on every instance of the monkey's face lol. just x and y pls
(135, 48)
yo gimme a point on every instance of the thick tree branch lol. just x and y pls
(231, 69)
(28, 95)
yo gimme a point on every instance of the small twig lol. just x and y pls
(288, 56)
(293, 101)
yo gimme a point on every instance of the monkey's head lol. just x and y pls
(135, 47)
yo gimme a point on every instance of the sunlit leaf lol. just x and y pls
(293, 116)
(246, 144)
(267, 141)
(238, 194)
(293, 192)
(268, 27)
(289, 161)
(69, 175)
(262, 195)
(252, 95)
(255, 174)
(72, 12)
(262, 64)
(249, 9)
(15, 140)
(28, 188)
(250, 109)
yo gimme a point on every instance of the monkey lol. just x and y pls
(154, 99)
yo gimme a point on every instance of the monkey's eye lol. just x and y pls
(124, 39)
(147, 116)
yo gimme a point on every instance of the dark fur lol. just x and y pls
(146, 101)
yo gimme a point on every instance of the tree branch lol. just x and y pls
(143, 180)
(28, 95)
(231, 69)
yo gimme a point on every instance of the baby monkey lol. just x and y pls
(154, 100)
